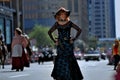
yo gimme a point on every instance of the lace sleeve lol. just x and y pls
(51, 30)
(78, 29)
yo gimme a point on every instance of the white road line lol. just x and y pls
(15, 76)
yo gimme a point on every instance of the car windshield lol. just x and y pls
(77, 52)
(96, 52)
(92, 52)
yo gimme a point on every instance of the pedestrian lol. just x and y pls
(117, 74)
(18, 44)
(41, 58)
(28, 47)
(116, 53)
(109, 56)
(3, 49)
(65, 65)
(2, 38)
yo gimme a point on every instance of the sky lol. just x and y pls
(117, 17)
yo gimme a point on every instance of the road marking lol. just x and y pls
(15, 76)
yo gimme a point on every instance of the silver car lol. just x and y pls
(92, 55)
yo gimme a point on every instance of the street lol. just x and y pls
(92, 70)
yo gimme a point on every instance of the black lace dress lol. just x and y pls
(65, 66)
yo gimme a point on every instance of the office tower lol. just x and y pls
(101, 18)
(41, 12)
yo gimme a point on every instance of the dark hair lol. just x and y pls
(19, 31)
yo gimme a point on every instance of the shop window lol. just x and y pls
(2, 25)
(8, 31)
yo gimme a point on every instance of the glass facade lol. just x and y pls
(40, 12)
(6, 28)
(2, 25)
(8, 31)
(76, 6)
(102, 18)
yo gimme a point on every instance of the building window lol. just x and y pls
(70, 5)
(104, 27)
(97, 7)
(89, 22)
(97, 23)
(8, 31)
(97, 15)
(97, 3)
(2, 25)
(97, 28)
(90, 1)
(75, 5)
(1, 3)
(97, 11)
(104, 36)
(99, 36)
(97, 19)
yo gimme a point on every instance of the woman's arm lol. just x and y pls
(52, 29)
(24, 41)
(77, 29)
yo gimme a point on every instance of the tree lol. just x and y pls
(40, 33)
(92, 42)
(80, 44)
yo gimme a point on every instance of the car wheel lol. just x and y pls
(79, 58)
(98, 59)
(86, 59)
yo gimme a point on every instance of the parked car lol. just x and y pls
(92, 55)
(78, 55)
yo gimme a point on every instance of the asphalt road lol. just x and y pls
(92, 70)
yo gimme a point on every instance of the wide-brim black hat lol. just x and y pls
(62, 9)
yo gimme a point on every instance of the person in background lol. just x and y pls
(41, 58)
(117, 74)
(2, 38)
(109, 56)
(18, 44)
(28, 47)
(116, 53)
(65, 65)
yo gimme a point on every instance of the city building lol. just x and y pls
(79, 16)
(10, 18)
(101, 18)
(41, 12)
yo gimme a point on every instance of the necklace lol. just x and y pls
(62, 20)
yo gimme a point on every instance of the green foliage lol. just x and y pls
(80, 44)
(40, 33)
(92, 42)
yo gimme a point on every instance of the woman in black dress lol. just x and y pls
(65, 66)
